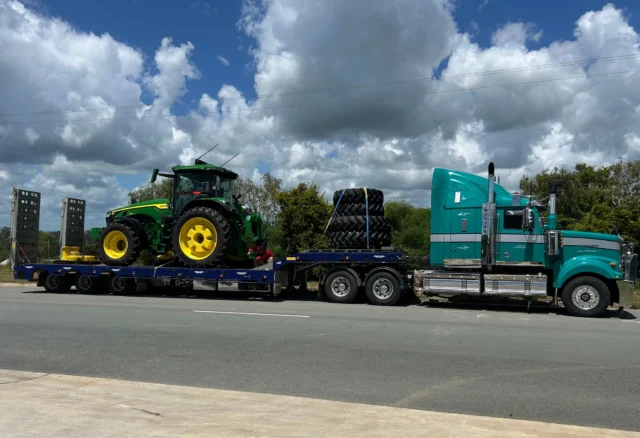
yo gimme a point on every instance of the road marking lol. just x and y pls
(255, 314)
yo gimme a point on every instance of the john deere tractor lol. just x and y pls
(201, 225)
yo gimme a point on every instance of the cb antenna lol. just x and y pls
(198, 159)
(222, 165)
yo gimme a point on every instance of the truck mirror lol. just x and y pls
(154, 175)
(528, 220)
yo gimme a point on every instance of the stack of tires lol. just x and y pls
(348, 226)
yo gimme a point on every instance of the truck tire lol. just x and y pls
(341, 287)
(118, 245)
(201, 238)
(121, 286)
(87, 284)
(357, 196)
(57, 283)
(383, 289)
(586, 296)
(359, 209)
(377, 224)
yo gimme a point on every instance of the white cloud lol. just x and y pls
(362, 129)
(223, 60)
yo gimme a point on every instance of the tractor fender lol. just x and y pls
(137, 227)
(225, 209)
(586, 265)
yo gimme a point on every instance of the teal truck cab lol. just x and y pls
(486, 241)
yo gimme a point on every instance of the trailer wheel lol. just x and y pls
(57, 283)
(383, 289)
(341, 287)
(122, 286)
(87, 284)
(586, 296)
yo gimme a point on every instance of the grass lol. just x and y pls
(6, 276)
(635, 304)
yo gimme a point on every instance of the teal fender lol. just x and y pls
(585, 265)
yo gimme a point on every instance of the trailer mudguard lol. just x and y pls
(585, 265)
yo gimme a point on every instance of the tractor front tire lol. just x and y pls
(118, 245)
(201, 238)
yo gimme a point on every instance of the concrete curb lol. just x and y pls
(37, 404)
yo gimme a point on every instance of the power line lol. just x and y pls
(332, 102)
(346, 87)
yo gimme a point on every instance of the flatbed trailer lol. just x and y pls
(380, 272)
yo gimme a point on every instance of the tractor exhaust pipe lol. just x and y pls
(488, 221)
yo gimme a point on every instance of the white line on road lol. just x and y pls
(249, 313)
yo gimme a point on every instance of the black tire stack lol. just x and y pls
(348, 227)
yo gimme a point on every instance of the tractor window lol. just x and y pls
(513, 219)
(192, 185)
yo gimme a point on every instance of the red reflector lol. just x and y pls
(197, 193)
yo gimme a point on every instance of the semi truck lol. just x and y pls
(485, 242)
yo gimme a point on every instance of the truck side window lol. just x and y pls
(513, 220)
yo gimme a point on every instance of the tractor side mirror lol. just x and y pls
(528, 220)
(154, 175)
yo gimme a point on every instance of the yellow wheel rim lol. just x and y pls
(115, 244)
(198, 238)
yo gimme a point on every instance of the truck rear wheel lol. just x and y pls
(118, 245)
(586, 296)
(341, 287)
(383, 289)
(201, 238)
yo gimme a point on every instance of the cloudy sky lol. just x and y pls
(375, 93)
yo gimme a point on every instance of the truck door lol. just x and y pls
(464, 229)
(515, 245)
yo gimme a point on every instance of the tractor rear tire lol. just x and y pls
(359, 209)
(377, 224)
(357, 196)
(201, 238)
(358, 239)
(118, 245)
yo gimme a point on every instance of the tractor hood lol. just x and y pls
(161, 203)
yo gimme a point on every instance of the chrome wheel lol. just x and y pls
(585, 297)
(340, 286)
(382, 288)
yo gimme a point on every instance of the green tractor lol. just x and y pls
(201, 225)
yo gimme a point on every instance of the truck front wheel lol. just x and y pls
(586, 296)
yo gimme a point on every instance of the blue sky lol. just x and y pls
(383, 137)
(212, 28)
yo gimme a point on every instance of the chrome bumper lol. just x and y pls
(626, 289)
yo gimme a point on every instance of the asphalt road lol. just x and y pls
(542, 366)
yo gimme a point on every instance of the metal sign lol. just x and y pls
(25, 226)
(72, 227)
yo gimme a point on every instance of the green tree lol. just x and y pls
(301, 219)
(156, 190)
(410, 227)
(261, 197)
(5, 234)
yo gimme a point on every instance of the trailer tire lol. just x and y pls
(357, 196)
(57, 284)
(87, 284)
(341, 287)
(121, 285)
(586, 296)
(383, 289)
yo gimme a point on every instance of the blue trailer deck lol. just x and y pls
(349, 269)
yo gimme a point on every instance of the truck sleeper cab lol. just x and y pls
(488, 242)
